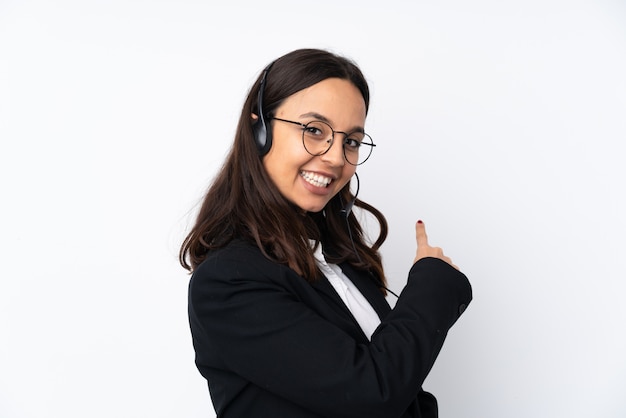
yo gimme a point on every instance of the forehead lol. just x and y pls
(336, 99)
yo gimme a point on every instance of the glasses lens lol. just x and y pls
(317, 137)
(357, 148)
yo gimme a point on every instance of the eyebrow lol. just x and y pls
(325, 119)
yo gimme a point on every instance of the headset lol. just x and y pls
(345, 212)
(261, 128)
(263, 136)
(263, 139)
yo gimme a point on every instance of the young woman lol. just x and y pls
(287, 299)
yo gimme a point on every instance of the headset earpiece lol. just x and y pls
(261, 128)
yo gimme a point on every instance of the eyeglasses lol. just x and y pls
(318, 137)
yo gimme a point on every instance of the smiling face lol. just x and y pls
(305, 180)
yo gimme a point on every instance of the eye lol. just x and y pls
(318, 131)
(353, 142)
(312, 130)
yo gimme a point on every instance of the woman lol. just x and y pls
(287, 299)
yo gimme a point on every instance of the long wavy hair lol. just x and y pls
(243, 202)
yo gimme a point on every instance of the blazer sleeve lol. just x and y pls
(245, 311)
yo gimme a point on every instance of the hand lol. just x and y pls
(424, 249)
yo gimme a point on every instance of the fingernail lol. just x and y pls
(420, 222)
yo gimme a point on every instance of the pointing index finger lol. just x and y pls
(420, 234)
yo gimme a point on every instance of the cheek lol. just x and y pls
(275, 170)
(282, 163)
(349, 171)
(286, 151)
(346, 175)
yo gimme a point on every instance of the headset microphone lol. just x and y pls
(348, 207)
(345, 212)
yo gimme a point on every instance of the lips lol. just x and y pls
(316, 179)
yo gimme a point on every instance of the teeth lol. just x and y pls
(316, 179)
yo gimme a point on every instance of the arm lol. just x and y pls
(255, 317)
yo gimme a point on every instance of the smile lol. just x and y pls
(315, 179)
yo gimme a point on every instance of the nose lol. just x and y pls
(334, 156)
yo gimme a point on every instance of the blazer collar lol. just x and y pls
(366, 285)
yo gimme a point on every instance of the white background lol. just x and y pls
(500, 124)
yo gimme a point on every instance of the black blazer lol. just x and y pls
(271, 344)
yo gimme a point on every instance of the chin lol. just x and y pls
(313, 207)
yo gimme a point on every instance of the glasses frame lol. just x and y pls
(332, 139)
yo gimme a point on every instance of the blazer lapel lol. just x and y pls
(368, 288)
(342, 316)
(323, 286)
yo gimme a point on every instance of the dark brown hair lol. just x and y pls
(244, 203)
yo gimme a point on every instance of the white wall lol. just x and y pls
(501, 124)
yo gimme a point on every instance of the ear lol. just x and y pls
(254, 116)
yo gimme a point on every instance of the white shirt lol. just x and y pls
(360, 308)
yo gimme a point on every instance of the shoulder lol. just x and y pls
(233, 251)
(238, 263)
(239, 276)
(237, 258)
